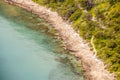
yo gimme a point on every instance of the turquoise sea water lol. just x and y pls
(27, 54)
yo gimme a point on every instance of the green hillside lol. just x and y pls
(97, 19)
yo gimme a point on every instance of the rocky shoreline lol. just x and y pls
(93, 67)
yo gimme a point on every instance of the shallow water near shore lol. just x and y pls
(27, 53)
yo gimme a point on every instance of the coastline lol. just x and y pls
(94, 68)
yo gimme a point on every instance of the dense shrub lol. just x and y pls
(87, 4)
(75, 15)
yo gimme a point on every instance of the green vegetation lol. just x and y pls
(105, 28)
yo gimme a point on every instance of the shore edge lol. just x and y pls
(93, 67)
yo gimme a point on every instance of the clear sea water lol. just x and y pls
(27, 54)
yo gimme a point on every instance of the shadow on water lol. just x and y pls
(38, 31)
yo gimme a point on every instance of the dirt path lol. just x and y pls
(94, 68)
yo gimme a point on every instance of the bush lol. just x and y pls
(87, 4)
(76, 15)
(111, 44)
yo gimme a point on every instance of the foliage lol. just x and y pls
(87, 4)
(76, 15)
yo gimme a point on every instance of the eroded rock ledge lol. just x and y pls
(93, 67)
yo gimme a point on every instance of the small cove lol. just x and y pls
(27, 54)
